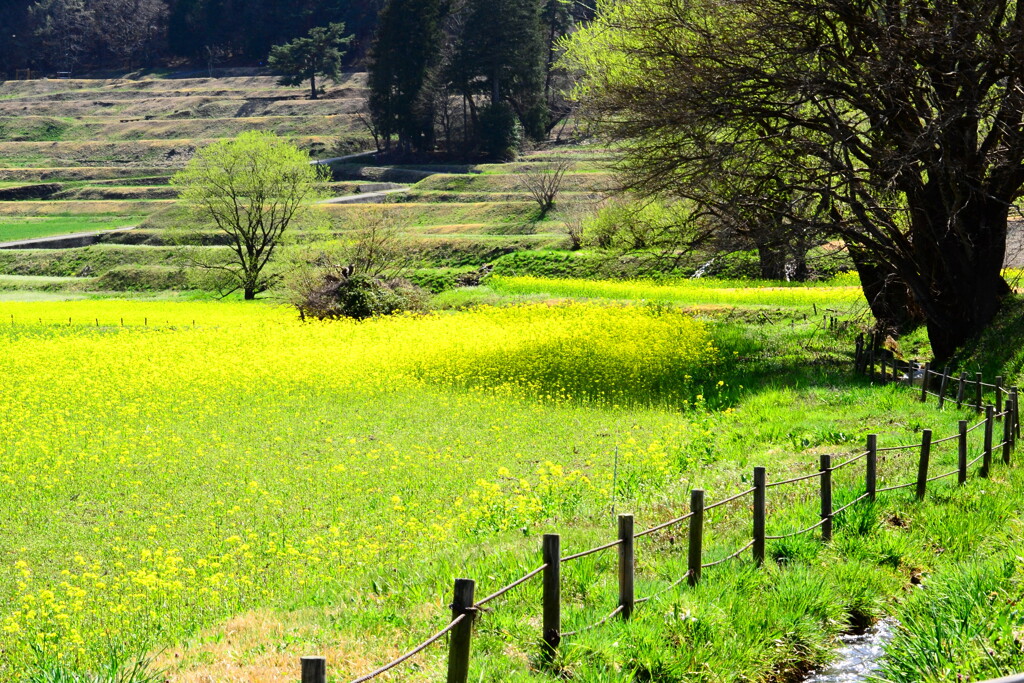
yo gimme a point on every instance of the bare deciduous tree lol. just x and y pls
(574, 218)
(377, 246)
(128, 29)
(543, 182)
(65, 30)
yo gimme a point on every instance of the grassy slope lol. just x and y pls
(48, 226)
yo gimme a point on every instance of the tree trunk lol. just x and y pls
(312, 87)
(890, 299)
(957, 280)
(801, 245)
(772, 259)
(800, 270)
(951, 280)
(249, 293)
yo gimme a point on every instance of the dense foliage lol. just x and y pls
(472, 77)
(895, 126)
(65, 35)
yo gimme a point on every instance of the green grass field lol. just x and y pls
(12, 229)
(210, 461)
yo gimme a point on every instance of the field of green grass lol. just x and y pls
(210, 461)
(40, 226)
(215, 489)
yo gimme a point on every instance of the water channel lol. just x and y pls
(859, 658)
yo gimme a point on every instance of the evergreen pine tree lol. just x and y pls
(317, 54)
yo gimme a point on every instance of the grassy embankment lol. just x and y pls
(241, 508)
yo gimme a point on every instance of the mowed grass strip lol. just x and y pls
(698, 291)
(448, 213)
(74, 208)
(33, 227)
(101, 152)
(120, 128)
(510, 182)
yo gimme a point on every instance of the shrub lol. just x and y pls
(435, 281)
(633, 225)
(360, 297)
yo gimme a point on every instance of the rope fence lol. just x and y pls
(518, 582)
(868, 359)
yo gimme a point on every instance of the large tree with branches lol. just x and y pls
(249, 190)
(896, 125)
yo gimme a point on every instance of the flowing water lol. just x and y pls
(859, 658)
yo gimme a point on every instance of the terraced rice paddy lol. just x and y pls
(84, 155)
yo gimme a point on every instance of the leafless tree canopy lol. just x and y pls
(377, 246)
(895, 125)
(543, 181)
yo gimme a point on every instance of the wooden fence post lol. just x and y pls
(1006, 441)
(1011, 410)
(999, 394)
(1014, 393)
(462, 634)
(871, 356)
(961, 454)
(987, 459)
(871, 475)
(760, 489)
(551, 555)
(979, 391)
(911, 366)
(314, 669)
(858, 353)
(960, 391)
(626, 563)
(924, 381)
(943, 385)
(922, 463)
(826, 497)
(696, 535)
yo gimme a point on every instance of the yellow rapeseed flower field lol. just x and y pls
(844, 290)
(166, 465)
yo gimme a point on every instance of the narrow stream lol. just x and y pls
(858, 658)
